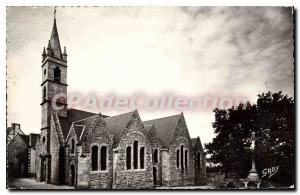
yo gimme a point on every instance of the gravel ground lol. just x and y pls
(30, 183)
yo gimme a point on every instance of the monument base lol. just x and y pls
(253, 176)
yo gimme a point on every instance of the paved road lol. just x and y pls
(30, 183)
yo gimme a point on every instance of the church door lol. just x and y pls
(72, 176)
(22, 169)
(154, 176)
(61, 166)
(43, 169)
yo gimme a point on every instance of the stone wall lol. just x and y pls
(165, 164)
(97, 135)
(70, 158)
(32, 162)
(134, 178)
(156, 144)
(179, 176)
(54, 151)
(38, 161)
(17, 158)
(200, 169)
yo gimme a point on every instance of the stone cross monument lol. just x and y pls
(253, 176)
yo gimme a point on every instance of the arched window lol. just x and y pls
(103, 157)
(198, 161)
(135, 154)
(57, 75)
(44, 93)
(142, 157)
(155, 156)
(181, 156)
(94, 158)
(186, 159)
(44, 140)
(128, 157)
(72, 146)
(177, 159)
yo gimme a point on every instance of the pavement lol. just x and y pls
(204, 187)
(32, 184)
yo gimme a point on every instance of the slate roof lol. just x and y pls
(25, 138)
(83, 125)
(8, 129)
(54, 43)
(33, 139)
(73, 115)
(148, 127)
(11, 133)
(194, 142)
(165, 128)
(117, 123)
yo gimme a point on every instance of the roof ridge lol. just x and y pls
(81, 110)
(84, 118)
(162, 118)
(120, 114)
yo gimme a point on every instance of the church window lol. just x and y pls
(142, 157)
(177, 159)
(181, 156)
(135, 154)
(94, 158)
(186, 159)
(128, 157)
(57, 75)
(155, 156)
(103, 157)
(44, 140)
(198, 160)
(72, 146)
(45, 71)
(44, 93)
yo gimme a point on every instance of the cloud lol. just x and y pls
(186, 50)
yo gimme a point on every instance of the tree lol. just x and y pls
(272, 118)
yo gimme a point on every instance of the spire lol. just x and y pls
(65, 54)
(44, 53)
(54, 43)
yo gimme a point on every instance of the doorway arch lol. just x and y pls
(154, 175)
(72, 175)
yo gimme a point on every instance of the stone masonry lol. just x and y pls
(94, 151)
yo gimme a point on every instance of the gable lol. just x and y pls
(118, 123)
(73, 115)
(165, 128)
(81, 127)
(181, 131)
(19, 139)
(196, 142)
(152, 133)
(96, 131)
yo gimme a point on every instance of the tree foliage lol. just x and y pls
(272, 118)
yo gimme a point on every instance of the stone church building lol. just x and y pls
(95, 151)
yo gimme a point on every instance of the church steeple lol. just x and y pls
(54, 43)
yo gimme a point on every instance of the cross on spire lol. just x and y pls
(55, 13)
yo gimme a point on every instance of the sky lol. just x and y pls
(187, 51)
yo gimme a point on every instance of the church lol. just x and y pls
(94, 151)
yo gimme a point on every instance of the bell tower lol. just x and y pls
(54, 93)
